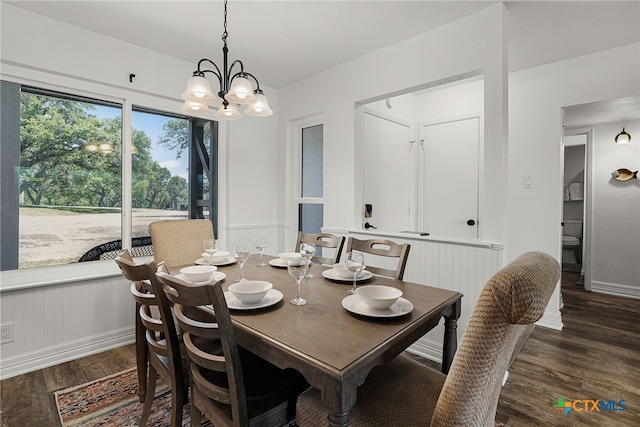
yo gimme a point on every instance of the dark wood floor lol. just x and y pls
(595, 356)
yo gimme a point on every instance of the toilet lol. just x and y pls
(571, 241)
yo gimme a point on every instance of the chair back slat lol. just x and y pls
(325, 241)
(384, 248)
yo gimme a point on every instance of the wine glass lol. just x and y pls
(297, 268)
(355, 264)
(261, 244)
(210, 246)
(307, 250)
(241, 255)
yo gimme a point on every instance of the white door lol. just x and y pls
(387, 172)
(450, 178)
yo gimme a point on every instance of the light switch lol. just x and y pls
(527, 181)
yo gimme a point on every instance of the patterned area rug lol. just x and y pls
(113, 401)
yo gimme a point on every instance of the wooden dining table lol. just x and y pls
(331, 346)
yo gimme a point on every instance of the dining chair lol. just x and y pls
(325, 241)
(229, 385)
(179, 241)
(124, 260)
(161, 346)
(406, 393)
(384, 248)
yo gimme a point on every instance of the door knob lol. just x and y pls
(471, 222)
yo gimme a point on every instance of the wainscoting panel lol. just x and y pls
(57, 323)
(460, 266)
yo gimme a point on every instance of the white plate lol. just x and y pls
(272, 297)
(215, 277)
(278, 262)
(354, 304)
(228, 261)
(332, 275)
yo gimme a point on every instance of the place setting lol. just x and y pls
(377, 301)
(251, 295)
(213, 256)
(201, 274)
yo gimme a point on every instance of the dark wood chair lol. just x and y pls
(406, 393)
(230, 386)
(325, 241)
(384, 248)
(161, 345)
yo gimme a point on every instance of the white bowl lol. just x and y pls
(198, 273)
(218, 256)
(341, 270)
(378, 297)
(286, 256)
(250, 291)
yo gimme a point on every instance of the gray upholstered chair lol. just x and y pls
(406, 393)
(179, 241)
(383, 248)
(325, 241)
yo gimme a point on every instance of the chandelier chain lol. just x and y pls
(225, 34)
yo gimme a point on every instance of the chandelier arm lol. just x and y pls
(201, 72)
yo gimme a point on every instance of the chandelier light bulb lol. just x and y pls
(260, 108)
(241, 91)
(198, 90)
(194, 106)
(228, 112)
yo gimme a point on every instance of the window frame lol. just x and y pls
(17, 279)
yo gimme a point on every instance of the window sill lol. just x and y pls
(18, 280)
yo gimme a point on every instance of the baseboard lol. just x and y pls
(64, 352)
(551, 320)
(616, 289)
(428, 349)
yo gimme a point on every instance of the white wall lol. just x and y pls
(70, 59)
(536, 98)
(375, 76)
(615, 212)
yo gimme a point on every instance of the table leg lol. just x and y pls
(450, 337)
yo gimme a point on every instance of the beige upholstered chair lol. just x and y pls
(384, 248)
(162, 343)
(325, 241)
(229, 385)
(406, 393)
(180, 241)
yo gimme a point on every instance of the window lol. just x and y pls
(69, 180)
(63, 153)
(310, 207)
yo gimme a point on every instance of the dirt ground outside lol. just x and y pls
(53, 237)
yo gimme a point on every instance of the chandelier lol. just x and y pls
(235, 88)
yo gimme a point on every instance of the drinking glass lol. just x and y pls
(307, 250)
(210, 246)
(297, 268)
(355, 264)
(241, 255)
(261, 244)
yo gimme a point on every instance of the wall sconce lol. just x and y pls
(623, 137)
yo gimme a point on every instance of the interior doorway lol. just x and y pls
(573, 204)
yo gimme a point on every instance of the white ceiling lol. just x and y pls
(282, 42)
